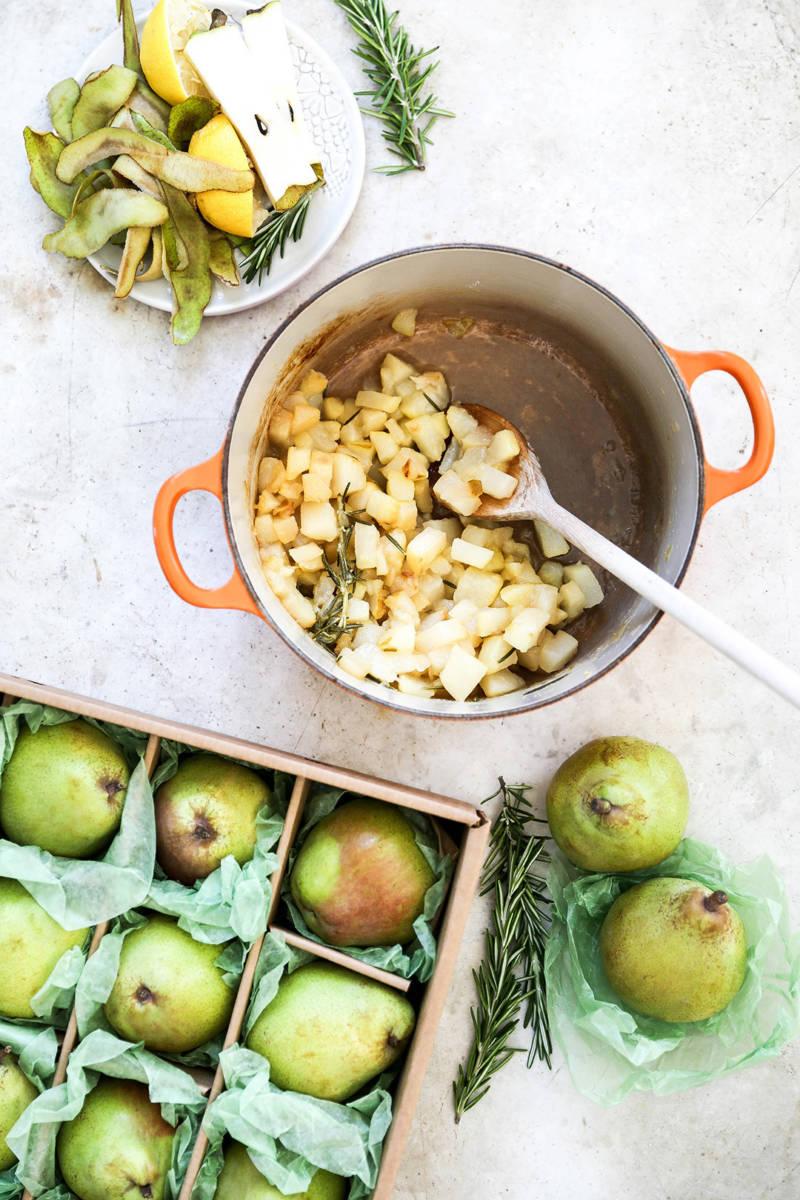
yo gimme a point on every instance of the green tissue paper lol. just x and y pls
(610, 1050)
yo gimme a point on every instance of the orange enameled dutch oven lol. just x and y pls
(605, 404)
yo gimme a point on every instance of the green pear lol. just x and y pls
(328, 1031)
(618, 804)
(240, 1179)
(64, 790)
(169, 992)
(33, 942)
(119, 1146)
(16, 1093)
(673, 949)
(360, 878)
(205, 812)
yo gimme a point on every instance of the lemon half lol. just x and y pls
(232, 211)
(166, 32)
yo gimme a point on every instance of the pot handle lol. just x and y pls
(205, 477)
(721, 484)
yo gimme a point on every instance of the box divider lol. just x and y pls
(231, 747)
(467, 876)
(294, 812)
(331, 954)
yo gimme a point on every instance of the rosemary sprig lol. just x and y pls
(400, 98)
(273, 237)
(511, 974)
(332, 622)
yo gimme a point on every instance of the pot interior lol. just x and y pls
(571, 367)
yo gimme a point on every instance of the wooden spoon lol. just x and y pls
(533, 498)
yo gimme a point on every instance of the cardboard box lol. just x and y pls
(462, 824)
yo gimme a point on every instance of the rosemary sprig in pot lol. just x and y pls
(400, 97)
(332, 622)
(511, 977)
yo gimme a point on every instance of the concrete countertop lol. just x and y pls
(653, 147)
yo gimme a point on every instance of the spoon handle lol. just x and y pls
(775, 674)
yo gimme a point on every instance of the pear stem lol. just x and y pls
(715, 901)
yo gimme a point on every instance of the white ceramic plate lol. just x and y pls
(334, 121)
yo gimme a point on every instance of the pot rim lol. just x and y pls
(683, 391)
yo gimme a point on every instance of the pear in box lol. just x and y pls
(119, 1146)
(618, 804)
(205, 812)
(240, 1179)
(16, 1093)
(673, 949)
(328, 1031)
(64, 790)
(169, 992)
(360, 878)
(33, 942)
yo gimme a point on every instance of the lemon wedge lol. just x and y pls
(166, 32)
(233, 212)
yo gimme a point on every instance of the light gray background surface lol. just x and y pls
(656, 148)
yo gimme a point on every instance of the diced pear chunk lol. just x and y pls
(497, 654)
(460, 421)
(587, 581)
(456, 494)
(367, 538)
(526, 628)
(556, 651)
(501, 683)
(280, 428)
(315, 487)
(497, 484)
(492, 620)
(571, 599)
(299, 607)
(470, 554)
(414, 685)
(552, 573)
(308, 557)
(433, 385)
(298, 460)
(481, 587)
(503, 447)
(313, 383)
(461, 674)
(405, 322)
(333, 408)
(399, 487)
(318, 521)
(357, 611)
(346, 474)
(379, 400)
(430, 435)
(383, 509)
(304, 416)
(286, 529)
(550, 540)
(385, 446)
(271, 473)
(394, 371)
(445, 633)
(424, 548)
(355, 663)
